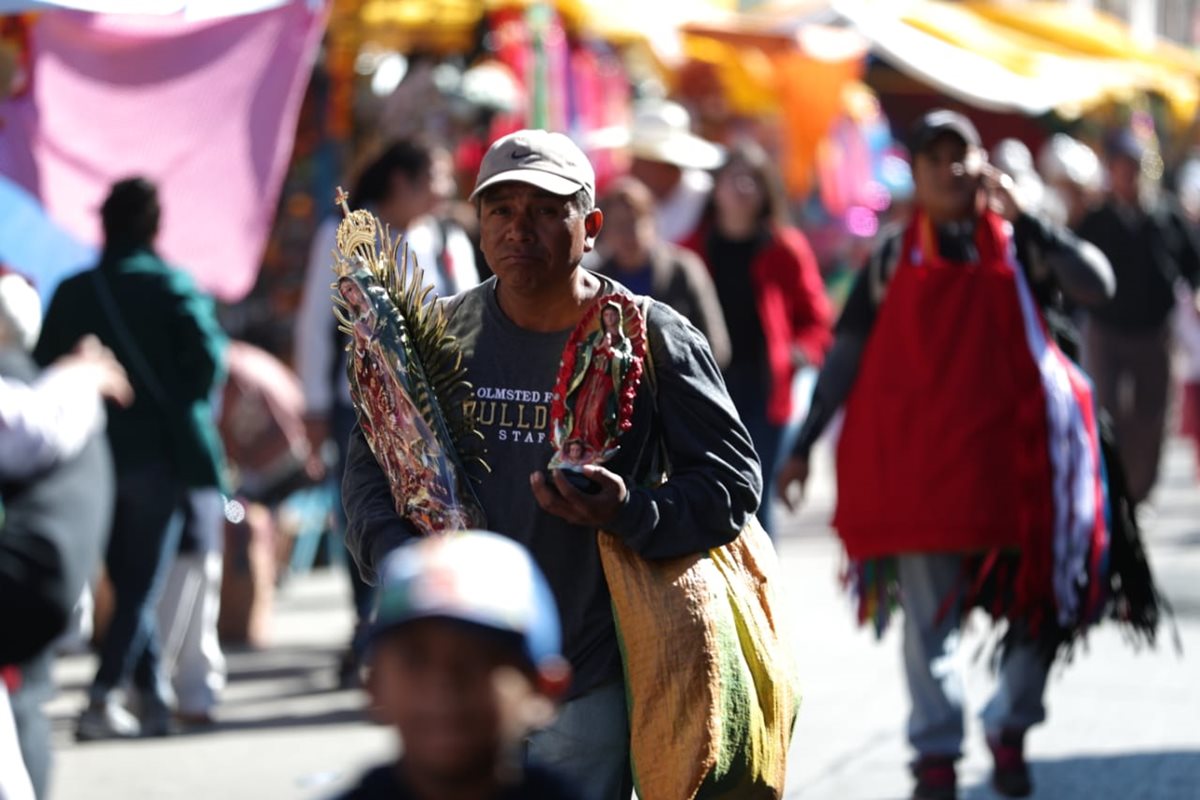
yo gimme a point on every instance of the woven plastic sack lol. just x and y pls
(709, 675)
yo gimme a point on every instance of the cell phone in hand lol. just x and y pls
(576, 479)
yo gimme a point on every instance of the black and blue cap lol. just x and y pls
(937, 123)
(1124, 142)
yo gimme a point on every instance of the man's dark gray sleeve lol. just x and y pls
(834, 383)
(854, 326)
(373, 528)
(1189, 248)
(1079, 268)
(715, 479)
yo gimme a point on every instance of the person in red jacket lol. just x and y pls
(771, 294)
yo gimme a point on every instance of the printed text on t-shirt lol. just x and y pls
(511, 415)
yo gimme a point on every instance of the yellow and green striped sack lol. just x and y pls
(709, 674)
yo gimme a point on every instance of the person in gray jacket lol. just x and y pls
(535, 195)
(56, 492)
(646, 264)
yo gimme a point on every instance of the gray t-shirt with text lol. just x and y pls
(712, 491)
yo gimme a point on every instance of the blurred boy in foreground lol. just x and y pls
(464, 662)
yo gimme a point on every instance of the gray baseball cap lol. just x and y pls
(549, 161)
(937, 122)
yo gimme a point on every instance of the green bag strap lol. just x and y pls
(128, 346)
(648, 363)
(664, 461)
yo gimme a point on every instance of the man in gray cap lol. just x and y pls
(535, 195)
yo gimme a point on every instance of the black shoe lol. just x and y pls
(195, 719)
(349, 674)
(157, 720)
(936, 778)
(1010, 777)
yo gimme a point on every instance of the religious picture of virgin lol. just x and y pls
(404, 443)
(598, 377)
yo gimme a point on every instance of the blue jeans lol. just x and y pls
(147, 521)
(342, 419)
(935, 726)
(748, 390)
(588, 744)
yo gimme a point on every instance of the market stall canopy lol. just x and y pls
(447, 27)
(188, 9)
(656, 22)
(1033, 58)
(750, 53)
(1089, 32)
(769, 63)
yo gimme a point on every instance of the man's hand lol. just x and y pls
(316, 429)
(96, 361)
(794, 471)
(1003, 196)
(560, 498)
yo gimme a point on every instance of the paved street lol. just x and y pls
(1123, 724)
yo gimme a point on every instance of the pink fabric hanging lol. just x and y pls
(206, 109)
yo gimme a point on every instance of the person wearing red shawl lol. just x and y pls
(964, 425)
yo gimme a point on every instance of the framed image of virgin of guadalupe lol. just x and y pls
(406, 377)
(598, 379)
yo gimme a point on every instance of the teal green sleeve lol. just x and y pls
(199, 342)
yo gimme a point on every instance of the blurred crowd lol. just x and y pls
(211, 443)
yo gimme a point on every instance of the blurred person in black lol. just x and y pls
(1127, 345)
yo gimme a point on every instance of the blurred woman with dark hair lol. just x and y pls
(647, 264)
(771, 294)
(406, 185)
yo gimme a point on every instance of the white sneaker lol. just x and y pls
(106, 721)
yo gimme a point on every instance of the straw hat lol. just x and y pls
(661, 131)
